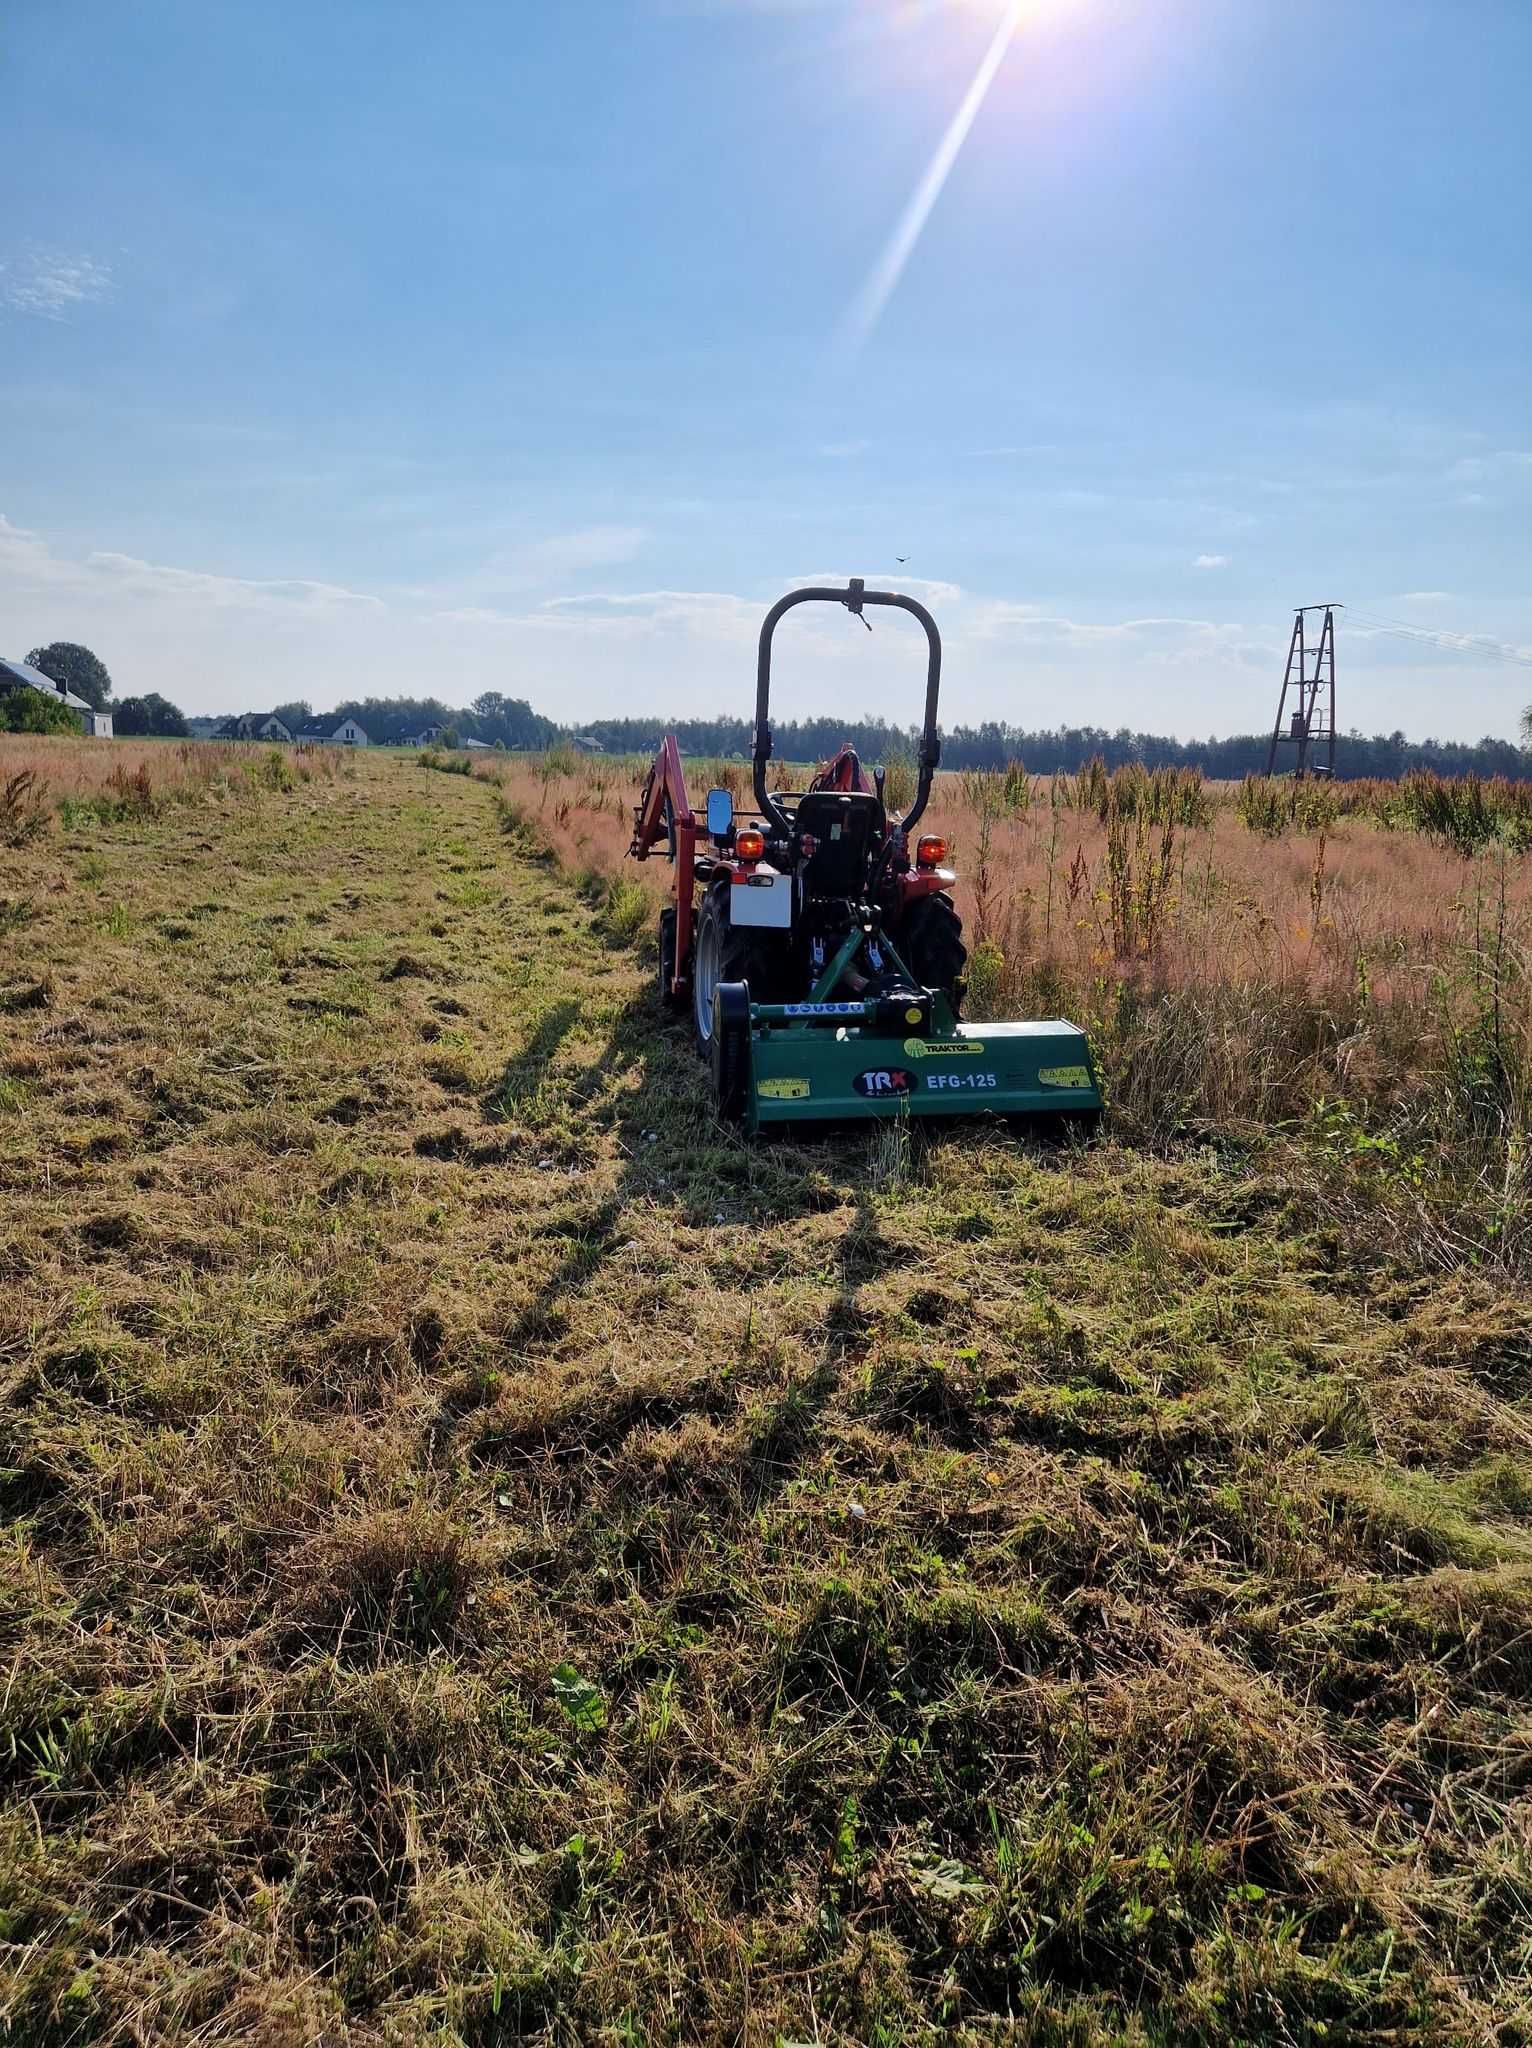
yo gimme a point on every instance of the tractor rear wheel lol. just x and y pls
(722, 953)
(929, 940)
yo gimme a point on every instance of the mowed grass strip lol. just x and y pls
(495, 1558)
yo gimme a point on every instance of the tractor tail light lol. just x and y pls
(749, 844)
(930, 852)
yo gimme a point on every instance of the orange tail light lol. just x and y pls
(930, 852)
(749, 844)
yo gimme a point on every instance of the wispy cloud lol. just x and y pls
(27, 563)
(1497, 463)
(157, 579)
(524, 569)
(538, 563)
(1211, 562)
(712, 614)
(49, 284)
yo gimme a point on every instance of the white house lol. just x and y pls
(253, 726)
(20, 675)
(347, 734)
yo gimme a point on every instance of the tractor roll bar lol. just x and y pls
(853, 597)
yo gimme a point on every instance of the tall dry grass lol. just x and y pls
(110, 781)
(1345, 975)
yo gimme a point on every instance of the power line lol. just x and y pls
(1446, 643)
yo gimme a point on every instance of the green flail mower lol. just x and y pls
(817, 947)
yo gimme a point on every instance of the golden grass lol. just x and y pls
(1368, 978)
(140, 775)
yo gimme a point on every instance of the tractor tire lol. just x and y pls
(929, 940)
(668, 998)
(730, 1049)
(722, 954)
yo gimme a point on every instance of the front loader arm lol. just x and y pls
(664, 817)
(667, 783)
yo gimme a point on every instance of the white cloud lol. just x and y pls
(533, 565)
(26, 561)
(1211, 562)
(48, 283)
(710, 614)
(155, 579)
(1498, 462)
(524, 567)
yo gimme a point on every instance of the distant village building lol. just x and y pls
(347, 734)
(427, 736)
(588, 743)
(20, 675)
(256, 726)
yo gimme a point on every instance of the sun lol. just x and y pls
(1025, 14)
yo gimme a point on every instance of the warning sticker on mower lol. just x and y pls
(1064, 1077)
(941, 1048)
(783, 1088)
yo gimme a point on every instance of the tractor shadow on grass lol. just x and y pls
(526, 1073)
(647, 1090)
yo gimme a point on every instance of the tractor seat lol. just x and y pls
(845, 828)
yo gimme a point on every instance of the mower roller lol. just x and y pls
(816, 945)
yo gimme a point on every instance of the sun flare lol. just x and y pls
(875, 294)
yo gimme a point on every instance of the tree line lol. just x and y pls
(1064, 748)
(510, 722)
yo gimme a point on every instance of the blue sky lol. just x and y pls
(369, 347)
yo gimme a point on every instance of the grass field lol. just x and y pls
(494, 1558)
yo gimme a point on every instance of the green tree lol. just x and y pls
(151, 715)
(32, 711)
(1526, 727)
(76, 668)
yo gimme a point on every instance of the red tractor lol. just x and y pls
(811, 864)
(816, 941)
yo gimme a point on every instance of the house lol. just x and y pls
(427, 736)
(254, 725)
(19, 675)
(588, 743)
(478, 746)
(347, 734)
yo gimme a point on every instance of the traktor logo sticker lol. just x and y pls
(940, 1048)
